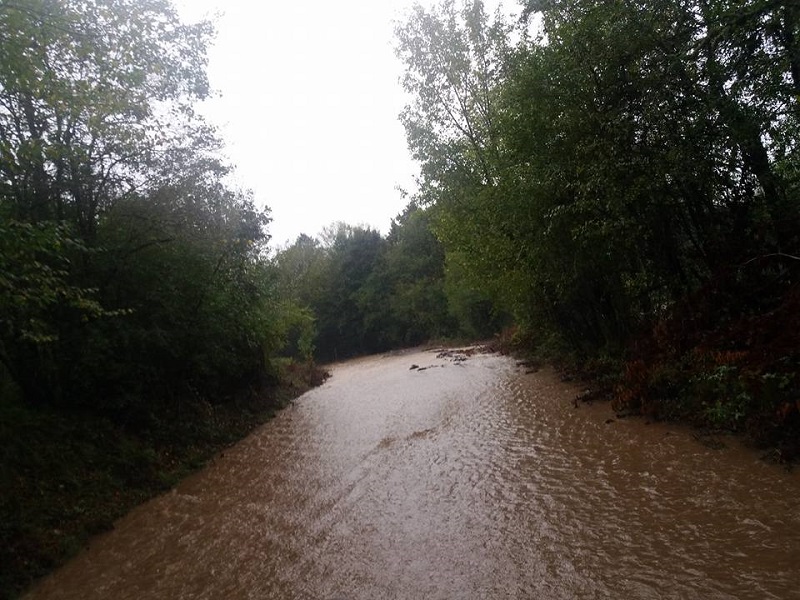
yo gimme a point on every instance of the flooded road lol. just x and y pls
(460, 479)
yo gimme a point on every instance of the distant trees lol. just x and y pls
(415, 271)
(369, 293)
(344, 326)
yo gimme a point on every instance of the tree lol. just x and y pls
(631, 142)
(112, 188)
(414, 273)
(189, 264)
(365, 292)
(664, 128)
(456, 57)
(354, 255)
(301, 269)
(91, 93)
(453, 57)
(36, 296)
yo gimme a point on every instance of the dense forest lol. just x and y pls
(613, 185)
(354, 291)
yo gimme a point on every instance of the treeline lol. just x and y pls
(624, 179)
(353, 291)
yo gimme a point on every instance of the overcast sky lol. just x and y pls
(309, 96)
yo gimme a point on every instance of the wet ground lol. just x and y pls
(428, 475)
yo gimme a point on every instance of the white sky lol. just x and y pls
(309, 96)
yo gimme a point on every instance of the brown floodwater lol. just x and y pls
(466, 479)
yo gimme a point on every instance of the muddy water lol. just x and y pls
(463, 480)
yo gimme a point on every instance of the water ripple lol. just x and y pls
(465, 480)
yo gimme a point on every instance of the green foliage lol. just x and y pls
(360, 292)
(298, 331)
(414, 271)
(188, 262)
(35, 280)
(39, 302)
(343, 325)
(468, 302)
(604, 167)
(131, 273)
(302, 270)
(455, 64)
(722, 394)
(92, 93)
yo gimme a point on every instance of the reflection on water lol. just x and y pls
(459, 480)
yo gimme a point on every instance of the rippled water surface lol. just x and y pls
(464, 479)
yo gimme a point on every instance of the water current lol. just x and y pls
(464, 478)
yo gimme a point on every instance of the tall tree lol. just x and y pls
(634, 140)
(403, 300)
(112, 188)
(456, 56)
(355, 253)
(91, 93)
(453, 56)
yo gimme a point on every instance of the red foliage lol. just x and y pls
(746, 321)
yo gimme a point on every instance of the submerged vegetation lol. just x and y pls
(614, 184)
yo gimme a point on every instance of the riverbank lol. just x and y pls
(66, 476)
(741, 379)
